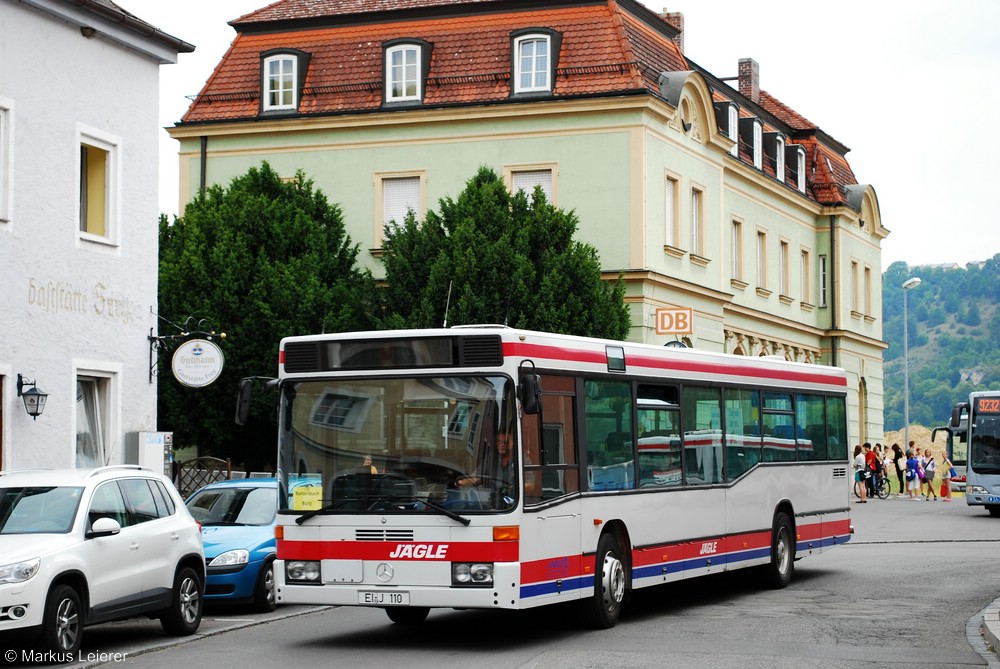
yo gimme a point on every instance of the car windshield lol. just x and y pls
(38, 510)
(399, 445)
(234, 506)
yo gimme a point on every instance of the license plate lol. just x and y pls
(384, 598)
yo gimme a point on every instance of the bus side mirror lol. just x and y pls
(243, 401)
(956, 414)
(531, 393)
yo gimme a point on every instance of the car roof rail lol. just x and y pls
(106, 468)
(26, 469)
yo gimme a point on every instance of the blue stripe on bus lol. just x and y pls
(657, 570)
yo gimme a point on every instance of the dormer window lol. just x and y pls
(279, 83)
(282, 75)
(734, 129)
(534, 53)
(774, 148)
(795, 154)
(779, 158)
(752, 134)
(406, 65)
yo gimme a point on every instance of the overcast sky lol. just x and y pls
(908, 87)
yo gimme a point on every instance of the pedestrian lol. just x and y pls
(860, 467)
(919, 455)
(899, 464)
(871, 466)
(947, 473)
(912, 480)
(929, 469)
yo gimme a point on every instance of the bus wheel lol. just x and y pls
(407, 615)
(994, 510)
(779, 572)
(605, 606)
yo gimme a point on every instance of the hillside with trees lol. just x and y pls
(953, 338)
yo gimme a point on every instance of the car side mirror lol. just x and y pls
(104, 527)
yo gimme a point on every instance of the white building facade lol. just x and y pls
(79, 91)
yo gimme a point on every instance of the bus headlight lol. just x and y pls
(472, 573)
(302, 571)
(976, 490)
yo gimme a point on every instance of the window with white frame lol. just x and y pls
(779, 158)
(854, 286)
(670, 211)
(280, 77)
(736, 250)
(400, 194)
(532, 66)
(804, 274)
(800, 169)
(734, 133)
(92, 402)
(783, 267)
(758, 146)
(6, 157)
(868, 290)
(761, 259)
(527, 179)
(697, 222)
(822, 280)
(402, 73)
(99, 185)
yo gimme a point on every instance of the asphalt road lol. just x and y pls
(908, 591)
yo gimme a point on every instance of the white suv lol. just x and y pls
(85, 546)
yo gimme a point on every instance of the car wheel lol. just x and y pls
(264, 597)
(184, 615)
(62, 624)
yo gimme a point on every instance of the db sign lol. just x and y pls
(675, 321)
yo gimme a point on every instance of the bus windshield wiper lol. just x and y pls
(431, 505)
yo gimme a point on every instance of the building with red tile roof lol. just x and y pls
(707, 192)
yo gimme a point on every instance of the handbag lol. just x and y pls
(952, 473)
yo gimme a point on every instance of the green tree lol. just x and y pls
(490, 256)
(259, 260)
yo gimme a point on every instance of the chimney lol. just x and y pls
(750, 79)
(675, 19)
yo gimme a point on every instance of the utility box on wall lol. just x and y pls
(152, 450)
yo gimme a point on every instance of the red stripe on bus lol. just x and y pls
(482, 551)
(520, 349)
(551, 569)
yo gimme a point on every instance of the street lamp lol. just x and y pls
(909, 283)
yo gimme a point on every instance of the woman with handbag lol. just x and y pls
(860, 467)
(929, 469)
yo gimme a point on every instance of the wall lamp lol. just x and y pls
(34, 399)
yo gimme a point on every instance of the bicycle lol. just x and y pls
(881, 486)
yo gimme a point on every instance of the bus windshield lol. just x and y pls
(984, 446)
(425, 444)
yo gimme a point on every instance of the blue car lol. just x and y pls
(237, 520)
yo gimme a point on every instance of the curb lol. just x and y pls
(990, 628)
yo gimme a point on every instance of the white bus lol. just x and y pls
(977, 424)
(513, 469)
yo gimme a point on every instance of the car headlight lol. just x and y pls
(303, 571)
(19, 571)
(976, 489)
(231, 558)
(472, 573)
